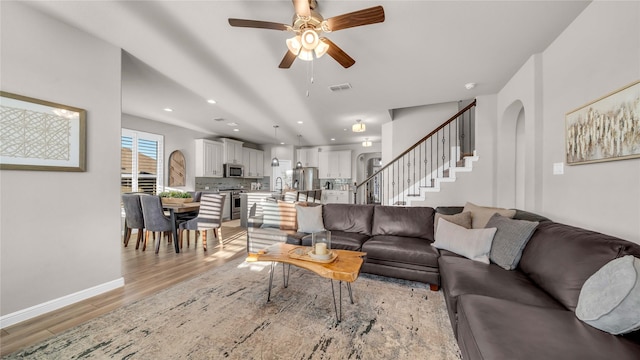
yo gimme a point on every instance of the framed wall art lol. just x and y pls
(605, 129)
(41, 135)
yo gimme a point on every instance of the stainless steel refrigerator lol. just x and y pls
(305, 179)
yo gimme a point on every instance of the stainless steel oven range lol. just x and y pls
(235, 204)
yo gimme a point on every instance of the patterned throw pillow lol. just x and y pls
(510, 239)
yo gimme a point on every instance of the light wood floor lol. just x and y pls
(145, 273)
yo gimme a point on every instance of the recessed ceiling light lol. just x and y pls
(333, 139)
(218, 119)
(282, 143)
(300, 122)
(469, 86)
(345, 129)
(232, 124)
(211, 101)
(236, 129)
(168, 109)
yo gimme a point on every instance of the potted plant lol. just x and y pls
(175, 197)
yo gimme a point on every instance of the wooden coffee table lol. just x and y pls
(346, 267)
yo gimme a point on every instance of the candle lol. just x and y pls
(321, 249)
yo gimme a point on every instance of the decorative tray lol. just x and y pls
(303, 253)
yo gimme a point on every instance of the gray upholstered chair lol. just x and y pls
(196, 195)
(209, 217)
(133, 218)
(154, 219)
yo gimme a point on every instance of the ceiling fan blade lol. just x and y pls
(258, 24)
(357, 18)
(302, 8)
(338, 54)
(287, 60)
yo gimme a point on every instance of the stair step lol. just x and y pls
(413, 195)
(400, 203)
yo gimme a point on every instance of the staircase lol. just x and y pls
(433, 160)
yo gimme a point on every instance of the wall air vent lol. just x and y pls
(340, 87)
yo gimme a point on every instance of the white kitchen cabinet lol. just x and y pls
(334, 164)
(209, 157)
(232, 151)
(308, 157)
(253, 161)
(336, 197)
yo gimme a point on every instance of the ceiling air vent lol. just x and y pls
(340, 87)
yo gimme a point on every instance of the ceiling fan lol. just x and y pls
(308, 25)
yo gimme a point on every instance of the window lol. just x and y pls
(141, 157)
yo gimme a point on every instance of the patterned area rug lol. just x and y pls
(223, 313)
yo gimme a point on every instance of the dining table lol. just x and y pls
(174, 210)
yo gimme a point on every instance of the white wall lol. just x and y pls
(597, 54)
(59, 231)
(425, 118)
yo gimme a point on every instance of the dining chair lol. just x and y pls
(196, 196)
(133, 218)
(209, 217)
(155, 220)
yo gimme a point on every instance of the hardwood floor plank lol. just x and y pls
(145, 273)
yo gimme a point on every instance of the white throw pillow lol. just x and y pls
(474, 244)
(309, 219)
(610, 298)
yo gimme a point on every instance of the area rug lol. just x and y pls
(223, 314)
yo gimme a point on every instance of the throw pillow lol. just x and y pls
(474, 244)
(309, 219)
(461, 219)
(510, 239)
(281, 215)
(610, 298)
(480, 215)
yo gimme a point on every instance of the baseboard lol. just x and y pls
(55, 304)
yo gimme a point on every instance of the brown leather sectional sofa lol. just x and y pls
(526, 313)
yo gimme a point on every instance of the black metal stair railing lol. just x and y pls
(420, 165)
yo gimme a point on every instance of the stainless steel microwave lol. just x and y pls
(233, 170)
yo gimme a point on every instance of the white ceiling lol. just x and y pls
(178, 54)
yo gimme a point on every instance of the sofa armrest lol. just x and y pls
(255, 221)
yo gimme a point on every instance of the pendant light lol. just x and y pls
(299, 163)
(275, 162)
(366, 143)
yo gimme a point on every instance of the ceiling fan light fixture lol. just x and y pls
(309, 39)
(306, 55)
(321, 49)
(359, 126)
(294, 45)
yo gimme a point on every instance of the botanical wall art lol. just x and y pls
(40, 135)
(605, 129)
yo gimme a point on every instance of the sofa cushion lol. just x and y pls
(480, 215)
(560, 258)
(403, 221)
(461, 219)
(462, 276)
(490, 328)
(309, 218)
(610, 298)
(348, 217)
(341, 240)
(400, 249)
(510, 239)
(474, 244)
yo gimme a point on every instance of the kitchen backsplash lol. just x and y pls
(208, 183)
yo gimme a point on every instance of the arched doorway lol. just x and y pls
(511, 179)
